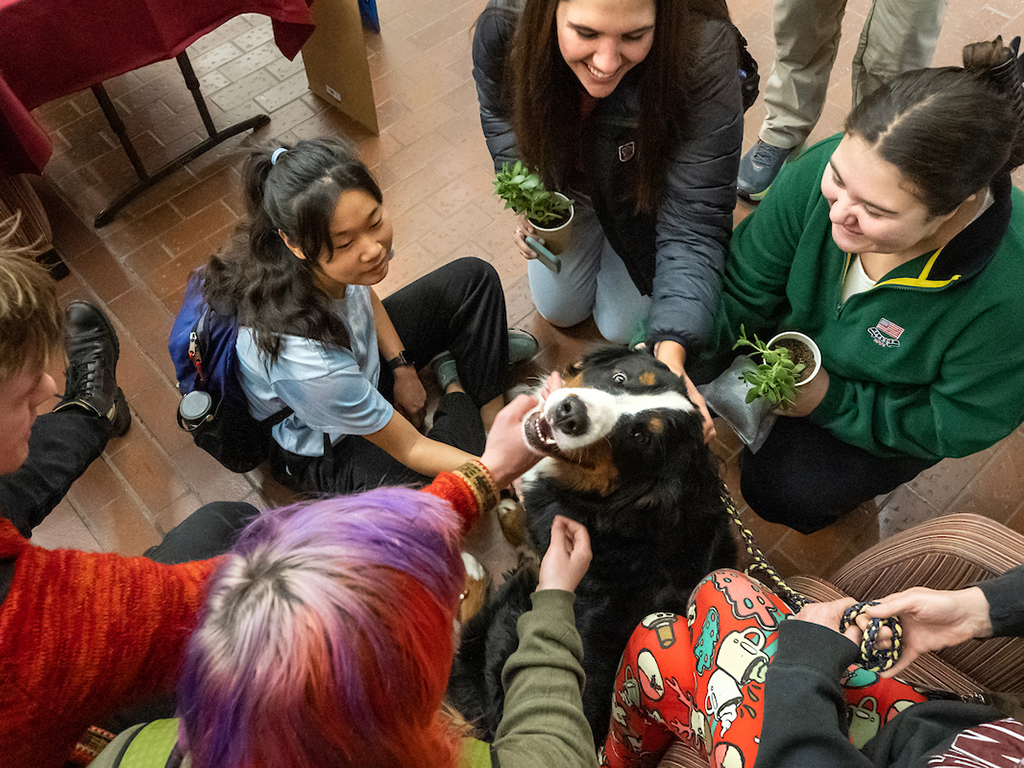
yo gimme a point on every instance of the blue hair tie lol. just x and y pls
(277, 153)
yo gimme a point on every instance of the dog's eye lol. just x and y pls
(640, 435)
(619, 377)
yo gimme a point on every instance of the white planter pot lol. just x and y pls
(797, 336)
(556, 239)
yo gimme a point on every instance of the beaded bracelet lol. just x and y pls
(479, 479)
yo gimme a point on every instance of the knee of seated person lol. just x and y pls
(613, 328)
(478, 270)
(563, 315)
(707, 591)
(774, 502)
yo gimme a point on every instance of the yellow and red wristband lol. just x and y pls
(480, 481)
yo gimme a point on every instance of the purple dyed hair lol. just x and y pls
(326, 638)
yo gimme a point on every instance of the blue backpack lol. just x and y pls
(213, 408)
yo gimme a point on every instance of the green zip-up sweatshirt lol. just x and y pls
(927, 363)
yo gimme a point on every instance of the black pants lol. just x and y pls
(61, 447)
(459, 307)
(806, 477)
(208, 532)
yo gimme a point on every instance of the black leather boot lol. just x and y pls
(92, 349)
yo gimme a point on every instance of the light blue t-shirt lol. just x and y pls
(330, 389)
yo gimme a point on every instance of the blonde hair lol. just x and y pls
(30, 317)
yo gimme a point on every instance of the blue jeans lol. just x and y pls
(593, 281)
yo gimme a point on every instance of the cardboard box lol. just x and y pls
(335, 60)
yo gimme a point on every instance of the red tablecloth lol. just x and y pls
(24, 145)
(49, 48)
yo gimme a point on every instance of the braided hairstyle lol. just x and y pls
(951, 131)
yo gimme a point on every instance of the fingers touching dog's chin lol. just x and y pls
(539, 435)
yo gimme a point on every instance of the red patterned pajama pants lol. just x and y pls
(700, 678)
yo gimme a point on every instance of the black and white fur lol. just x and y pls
(626, 457)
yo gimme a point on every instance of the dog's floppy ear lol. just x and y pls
(597, 353)
(572, 375)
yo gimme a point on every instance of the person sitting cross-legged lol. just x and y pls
(82, 634)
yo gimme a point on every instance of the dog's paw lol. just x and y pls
(474, 593)
(512, 519)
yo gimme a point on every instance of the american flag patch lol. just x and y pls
(889, 328)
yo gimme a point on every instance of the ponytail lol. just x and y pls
(258, 280)
(1003, 68)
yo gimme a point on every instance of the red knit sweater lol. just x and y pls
(84, 634)
(81, 635)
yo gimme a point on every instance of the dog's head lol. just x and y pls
(621, 417)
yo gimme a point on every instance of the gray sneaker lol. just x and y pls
(758, 169)
(445, 370)
(522, 345)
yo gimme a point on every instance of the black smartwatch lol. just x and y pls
(399, 361)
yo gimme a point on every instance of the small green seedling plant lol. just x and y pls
(524, 192)
(774, 377)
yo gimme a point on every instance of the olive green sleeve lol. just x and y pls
(543, 722)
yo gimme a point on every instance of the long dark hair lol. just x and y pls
(258, 280)
(950, 131)
(546, 93)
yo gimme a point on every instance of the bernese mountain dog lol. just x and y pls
(626, 457)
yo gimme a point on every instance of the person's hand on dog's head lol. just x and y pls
(506, 454)
(568, 556)
(672, 354)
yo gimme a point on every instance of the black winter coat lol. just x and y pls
(678, 256)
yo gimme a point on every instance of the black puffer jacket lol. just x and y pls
(805, 720)
(677, 258)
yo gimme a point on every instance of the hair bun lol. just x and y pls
(1001, 65)
(986, 55)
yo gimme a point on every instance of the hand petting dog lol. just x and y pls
(568, 556)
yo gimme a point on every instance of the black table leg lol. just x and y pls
(146, 179)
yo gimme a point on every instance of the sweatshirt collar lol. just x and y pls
(972, 249)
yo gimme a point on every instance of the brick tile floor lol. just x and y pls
(432, 163)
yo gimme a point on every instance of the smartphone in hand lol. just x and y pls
(544, 256)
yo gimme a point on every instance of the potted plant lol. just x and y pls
(789, 360)
(750, 394)
(524, 192)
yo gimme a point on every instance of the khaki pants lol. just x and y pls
(898, 35)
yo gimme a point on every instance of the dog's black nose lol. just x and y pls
(570, 417)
